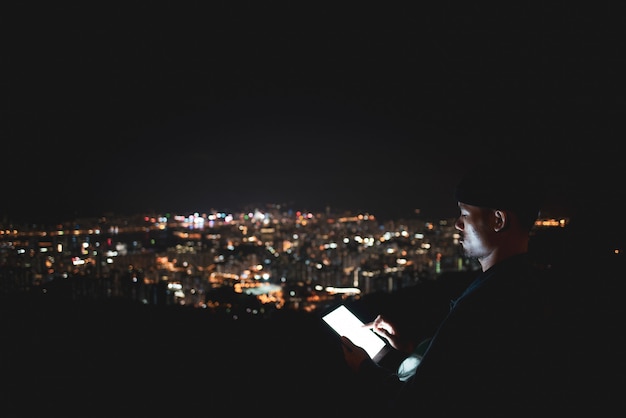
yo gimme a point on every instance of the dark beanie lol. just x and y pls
(503, 184)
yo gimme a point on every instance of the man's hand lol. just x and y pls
(388, 331)
(353, 354)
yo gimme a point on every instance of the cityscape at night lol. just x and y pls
(282, 259)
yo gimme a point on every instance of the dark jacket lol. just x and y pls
(490, 355)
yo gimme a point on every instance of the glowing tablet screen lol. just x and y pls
(344, 322)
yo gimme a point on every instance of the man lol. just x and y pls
(490, 355)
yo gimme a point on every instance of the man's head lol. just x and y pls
(499, 202)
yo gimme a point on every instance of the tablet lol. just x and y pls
(345, 322)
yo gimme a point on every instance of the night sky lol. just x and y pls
(377, 107)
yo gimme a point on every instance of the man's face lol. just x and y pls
(475, 225)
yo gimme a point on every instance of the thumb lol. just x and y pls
(347, 342)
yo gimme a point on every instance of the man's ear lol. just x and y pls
(501, 220)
